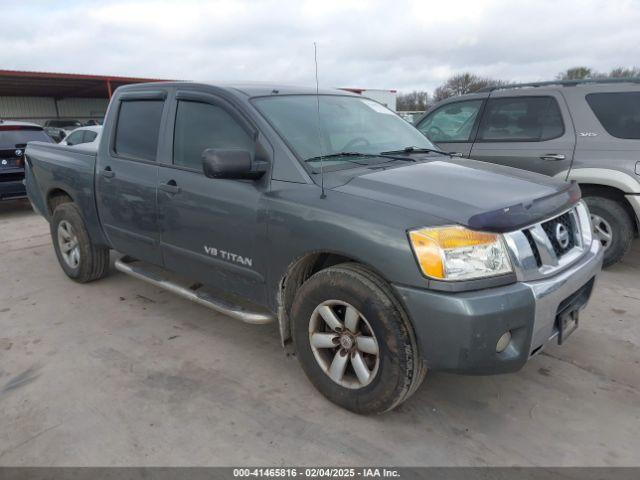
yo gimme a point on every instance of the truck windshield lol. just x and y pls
(347, 125)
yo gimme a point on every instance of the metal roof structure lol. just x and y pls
(15, 83)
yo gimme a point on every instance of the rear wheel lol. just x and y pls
(612, 226)
(80, 259)
(354, 341)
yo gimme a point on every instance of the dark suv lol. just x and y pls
(13, 140)
(588, 131)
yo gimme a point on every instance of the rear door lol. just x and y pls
(127, 175)
(452, 126)
(526, 129)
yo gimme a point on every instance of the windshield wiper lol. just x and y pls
(339, 154)
(415, 150)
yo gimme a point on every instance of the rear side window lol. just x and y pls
(619, 113)
(521, 119)
(12, 136)
(76, 138)
(451, 123)
(138, 128)
(200, 126)
(89, 136)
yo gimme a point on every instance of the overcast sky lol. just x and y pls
(397, 44)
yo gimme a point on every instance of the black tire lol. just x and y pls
(621, 225)
(94, 260)
(400, 370)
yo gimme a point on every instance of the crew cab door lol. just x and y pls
(127, 175)
(211, 230)
(452, 126)
(527, 130)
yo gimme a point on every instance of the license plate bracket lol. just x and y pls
(567, 323)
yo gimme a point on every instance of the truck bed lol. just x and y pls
(51, 169)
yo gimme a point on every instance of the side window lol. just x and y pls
(452, 122)
(138, 128)
(75, 138)
(200, 126)
(521, 119)
(619, 113)
(89, 136)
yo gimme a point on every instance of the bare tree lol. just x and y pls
(464, 83)
(416, 101)
(587, 73)
(625, 72)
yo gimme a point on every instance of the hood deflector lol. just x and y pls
(524, 214)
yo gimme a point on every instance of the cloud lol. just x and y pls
(376, 44)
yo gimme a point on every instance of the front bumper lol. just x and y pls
(458, 332)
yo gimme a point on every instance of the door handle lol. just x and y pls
(108, 173)
(456, 154)
(170, 187)
(553, 156)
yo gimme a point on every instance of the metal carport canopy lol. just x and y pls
(15, 83)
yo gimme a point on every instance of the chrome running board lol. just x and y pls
(195, 293)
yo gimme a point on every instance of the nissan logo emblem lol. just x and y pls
(562, 235)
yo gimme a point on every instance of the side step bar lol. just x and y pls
(136, 269)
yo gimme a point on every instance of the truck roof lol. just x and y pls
(249, 89)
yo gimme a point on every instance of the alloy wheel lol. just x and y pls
(68, 244)
(343, 344)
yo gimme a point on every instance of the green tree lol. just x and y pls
(576, 73)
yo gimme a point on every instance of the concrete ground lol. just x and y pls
(118, 372)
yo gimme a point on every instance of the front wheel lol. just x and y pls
(354, 341)
(612, 226)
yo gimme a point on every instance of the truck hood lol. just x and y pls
(475, 194)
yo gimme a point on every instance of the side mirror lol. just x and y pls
(229, 163)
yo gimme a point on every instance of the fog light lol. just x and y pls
(503, 342)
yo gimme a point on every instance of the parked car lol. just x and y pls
(13, 140)
(58, 129)
(587, 131)
(378, 255)
(85, 136)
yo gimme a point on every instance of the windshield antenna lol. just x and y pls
(315, 59)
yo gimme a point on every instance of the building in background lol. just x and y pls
(385, 97)
(41, 96)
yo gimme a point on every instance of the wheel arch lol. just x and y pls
(612, 193)
(296, 274)
(607, 183)
(55, 197)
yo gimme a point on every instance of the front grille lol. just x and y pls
(545, 248)
(551, 228)
(534, 247)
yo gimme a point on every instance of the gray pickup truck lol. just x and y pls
(379, 256)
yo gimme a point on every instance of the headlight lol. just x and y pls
(457, 253)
